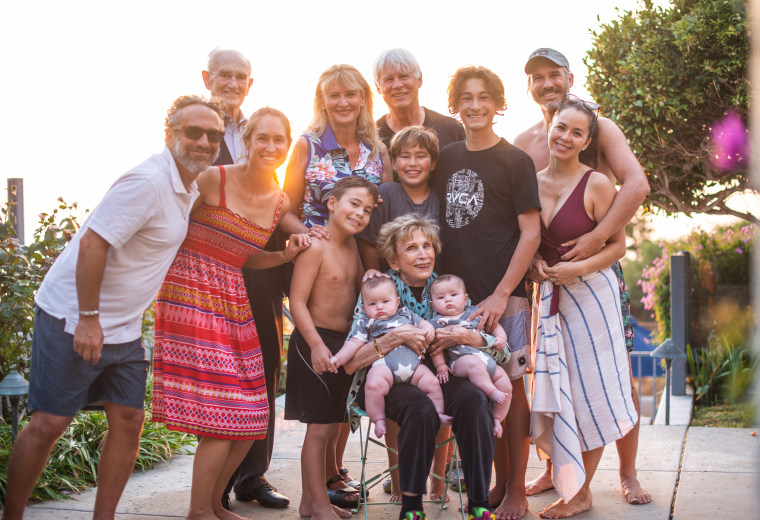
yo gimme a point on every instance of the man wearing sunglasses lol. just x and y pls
(228, 77)
(549, 83)
(86, 344)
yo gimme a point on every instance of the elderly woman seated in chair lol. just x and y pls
(409, 244)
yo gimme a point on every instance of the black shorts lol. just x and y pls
(310, 397)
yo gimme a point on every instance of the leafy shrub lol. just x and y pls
(22, 269)
(720, 273)
(73, 462)
(666, 74)
(722, 372)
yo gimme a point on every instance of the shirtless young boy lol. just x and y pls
(323, 292)
(380, 302)
(449, 300)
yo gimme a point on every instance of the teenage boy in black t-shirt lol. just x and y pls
(490, 231)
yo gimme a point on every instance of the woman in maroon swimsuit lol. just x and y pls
(581, 387)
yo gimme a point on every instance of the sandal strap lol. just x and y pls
(333, 480)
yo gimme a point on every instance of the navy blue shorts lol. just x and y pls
(61, 382)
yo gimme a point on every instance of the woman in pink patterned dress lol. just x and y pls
(208, 370)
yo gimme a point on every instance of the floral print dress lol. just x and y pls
(328, 163)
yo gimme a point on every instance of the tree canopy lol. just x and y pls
(668, 76)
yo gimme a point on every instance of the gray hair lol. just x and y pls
(400, 59)
(213, 58)
(174, 113)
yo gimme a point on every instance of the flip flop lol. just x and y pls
(338, 496)
(352, 483)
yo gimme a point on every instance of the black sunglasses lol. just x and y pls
(195, 132)
(572, 98)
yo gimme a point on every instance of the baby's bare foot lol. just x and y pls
(498, 396)
(380, 428)
(445, 419)
(497, 429)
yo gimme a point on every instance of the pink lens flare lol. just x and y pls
(730, 143)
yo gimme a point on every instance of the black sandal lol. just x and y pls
(353, 483)
(338, 496)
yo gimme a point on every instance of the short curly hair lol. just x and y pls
(174, 113)
(493, 83)
(400, 229)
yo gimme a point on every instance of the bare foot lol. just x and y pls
(498, 396)
(633, 492)
(561, 509)
(306, 511)
(204, 515)
(541, 484)
(223, 514)
(512, 507)
(380, 428)
(437, 497)
(395, 497)
(445, 419)
(497, 429)
(496, 495)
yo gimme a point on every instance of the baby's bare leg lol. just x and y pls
(475, 370)
(504, 385)
(426, 381)
(379, 382)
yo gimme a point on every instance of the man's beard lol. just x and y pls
(193, 166)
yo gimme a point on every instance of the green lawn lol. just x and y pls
(724, 416)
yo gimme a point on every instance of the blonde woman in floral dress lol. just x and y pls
(341, 141)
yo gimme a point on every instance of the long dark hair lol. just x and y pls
(589, 156)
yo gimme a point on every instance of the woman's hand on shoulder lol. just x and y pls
(297, 243)
(318, 231)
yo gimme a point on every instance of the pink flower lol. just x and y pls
(321, 170)
(738, 250)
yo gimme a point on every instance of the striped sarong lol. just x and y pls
(581, 391)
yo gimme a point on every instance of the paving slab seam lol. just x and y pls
(678, 475)
(39, 508)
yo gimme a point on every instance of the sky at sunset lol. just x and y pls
(87, 84)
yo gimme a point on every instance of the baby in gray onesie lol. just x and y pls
(449, 300)
(380, 303)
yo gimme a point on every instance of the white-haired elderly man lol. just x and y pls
(86, 344)
(228, 77)
(398, 79)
